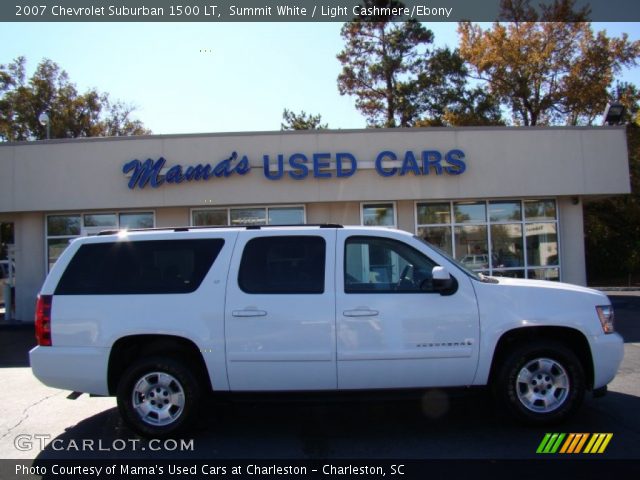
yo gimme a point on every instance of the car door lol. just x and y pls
(280, 311)
(391, 333)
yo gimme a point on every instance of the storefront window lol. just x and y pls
(506, 245)
(433, 213)
(61, 229)
(100, 220)
(513, 238)
(470, 212)
(509, 273)
(552, 274)
(202, 218)
(438, 236)
(539, 210)
(290, 215)
(505, 211)
(248, 216)
(55, 247)
(58, 225)
(286, 215)
(136, 220)
(542, 244)
(471, 247)
(378, 214)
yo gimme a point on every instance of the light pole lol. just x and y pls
(44, 120)
(614, 114)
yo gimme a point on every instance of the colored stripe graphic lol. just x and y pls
(543, 443)
(573, 443)
(598, 443)
(550, 443)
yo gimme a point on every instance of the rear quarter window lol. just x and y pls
(139, 267)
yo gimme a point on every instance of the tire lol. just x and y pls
(541, 383)
(158, 397)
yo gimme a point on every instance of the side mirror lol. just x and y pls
(443, 282)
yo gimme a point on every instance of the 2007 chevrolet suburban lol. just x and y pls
(160, 317)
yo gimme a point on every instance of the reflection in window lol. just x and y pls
(378, 215)
(55, 247)
(286, 215)
(471, 244)
(61, 229)
(506, 245)
(505, 211)
(60, 225)
(509, 273)
(468, 212)
(502, 237)
(438, 236)
(136, 220)
(248, 216)
(552, 274)
(100, 220)
(539, 210)
(542, 244)
(201, 218)
(430, 213)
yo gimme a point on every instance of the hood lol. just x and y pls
(567, 287)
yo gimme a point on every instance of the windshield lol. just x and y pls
(470, 273)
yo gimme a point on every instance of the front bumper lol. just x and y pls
(607, 352)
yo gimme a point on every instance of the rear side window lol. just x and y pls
(287, 264)
(140, 267)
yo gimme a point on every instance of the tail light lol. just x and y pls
(43, 320)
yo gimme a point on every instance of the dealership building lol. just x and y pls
(504, 201)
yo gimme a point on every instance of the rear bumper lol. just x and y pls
(81, 369)
(607, 352)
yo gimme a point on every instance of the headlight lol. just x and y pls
(605, 314)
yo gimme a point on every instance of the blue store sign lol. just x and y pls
(297, 166)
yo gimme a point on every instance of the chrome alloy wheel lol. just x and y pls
(542, 385)
(158, 398)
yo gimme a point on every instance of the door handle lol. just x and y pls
(360, 312)
(248, 312)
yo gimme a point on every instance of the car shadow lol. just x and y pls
(436, 426)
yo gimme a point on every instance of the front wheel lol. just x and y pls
(541, 382)
(158, 397)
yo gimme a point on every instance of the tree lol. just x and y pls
(381, 62)
(446, 97)
(399, 79)
(71, 113)
(612, 228)
(301, 121)
(548, 66)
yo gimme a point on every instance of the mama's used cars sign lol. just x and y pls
(297, 166)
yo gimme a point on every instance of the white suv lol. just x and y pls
(161, 317)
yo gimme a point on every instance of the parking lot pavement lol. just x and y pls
(39, 422)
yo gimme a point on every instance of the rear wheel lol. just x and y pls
(158, 397)
(542, 382)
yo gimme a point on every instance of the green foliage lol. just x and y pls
(399, 80)
(301, 121)
(612, 228)
(72, 114)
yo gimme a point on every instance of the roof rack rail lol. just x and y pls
(204, 227)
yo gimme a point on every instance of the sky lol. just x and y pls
(212, 77)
